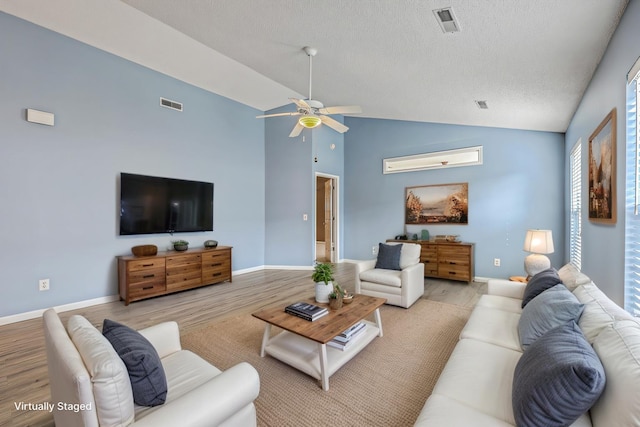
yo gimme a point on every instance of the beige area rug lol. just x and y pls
(386, 384)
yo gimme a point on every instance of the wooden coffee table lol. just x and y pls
(303, 344)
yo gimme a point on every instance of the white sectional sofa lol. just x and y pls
(90, 385)
(477, 385)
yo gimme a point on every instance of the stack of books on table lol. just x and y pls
(306, 311)
(348, 337)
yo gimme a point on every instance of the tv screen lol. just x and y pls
(150, 204)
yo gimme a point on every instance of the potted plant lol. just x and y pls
(323, 276)
(180, 245)
(335, 297)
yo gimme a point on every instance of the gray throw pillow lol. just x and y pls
(539, 283)
(557, 379)
(148, 380)
(388, 256)
(553, 307)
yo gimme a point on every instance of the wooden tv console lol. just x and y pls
(172, 271)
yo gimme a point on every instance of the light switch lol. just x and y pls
(40, 117)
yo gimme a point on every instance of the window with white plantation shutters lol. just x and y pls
(575, 237)
(632, 197)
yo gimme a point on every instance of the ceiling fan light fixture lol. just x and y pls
(309, 121)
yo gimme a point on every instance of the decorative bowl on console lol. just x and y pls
(144, 250)
(180, 245)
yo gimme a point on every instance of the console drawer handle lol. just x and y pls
(147, 265)
(148, 276)
(218, 264)
(147, 288)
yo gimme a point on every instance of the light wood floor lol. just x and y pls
(24, 375)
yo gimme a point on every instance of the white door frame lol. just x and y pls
(336, 213)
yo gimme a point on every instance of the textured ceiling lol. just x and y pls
(529, 60)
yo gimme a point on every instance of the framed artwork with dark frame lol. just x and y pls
(437, 204)
(602, 171)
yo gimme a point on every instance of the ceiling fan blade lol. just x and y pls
(295, 113)
(345, 109)
(301, 103)
(296, 130)
(334, 124)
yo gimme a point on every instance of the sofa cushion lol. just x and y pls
(572, 277)
(553, 307)
(498, 302)
(599, 311)
(480, 375)
(382, 276)
(409, 254)
(618, 347)
(388, 256)
(493, 326)
(148, 380)
(558, 378)
(539, 283)
(110, 381)
(185, 371)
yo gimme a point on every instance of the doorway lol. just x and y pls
(326, 227)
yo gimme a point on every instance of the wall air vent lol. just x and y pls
(482, 105)
(447, 20)
(171, 104)
(468, 156)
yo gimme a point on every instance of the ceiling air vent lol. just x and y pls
(482, 105)
(447, 20)
(171, 104)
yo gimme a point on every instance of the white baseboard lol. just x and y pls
(14, 318)
(288, 267)
(60, 308)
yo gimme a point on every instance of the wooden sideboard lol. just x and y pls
(150, 276)
(446, 260)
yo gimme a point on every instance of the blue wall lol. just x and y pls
(519, 186)
(59, 187)
(291, 165)
(603, 245)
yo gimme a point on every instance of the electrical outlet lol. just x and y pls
(305, 217)
(43, 284)
(496, 262)
(374, 250)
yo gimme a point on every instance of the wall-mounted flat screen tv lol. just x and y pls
(150, 204)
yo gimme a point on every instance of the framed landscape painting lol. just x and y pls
(437, 204)
(602, 171)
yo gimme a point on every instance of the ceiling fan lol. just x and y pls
(311, 111)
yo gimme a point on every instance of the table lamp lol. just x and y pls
(537, 242)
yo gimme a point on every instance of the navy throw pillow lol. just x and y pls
(553, 307)
(540, 283)
(557, 379)
(148, 380)
(388, 256)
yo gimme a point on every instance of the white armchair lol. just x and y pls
(87, 375)
(400, 287)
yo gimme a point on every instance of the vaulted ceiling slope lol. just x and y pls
(529, 60)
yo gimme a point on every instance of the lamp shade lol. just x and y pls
(309, 121)
(538, 242)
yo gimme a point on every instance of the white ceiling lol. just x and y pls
(529, 60)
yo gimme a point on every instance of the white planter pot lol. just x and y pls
(323, 291)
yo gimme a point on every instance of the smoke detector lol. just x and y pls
(447, 20)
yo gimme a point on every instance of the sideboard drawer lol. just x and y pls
(145, 264)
